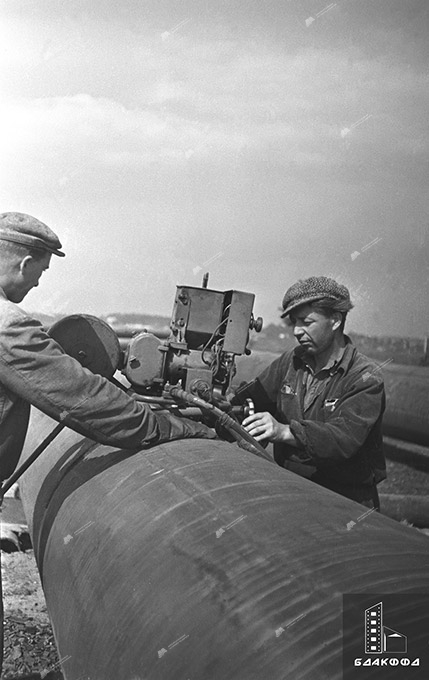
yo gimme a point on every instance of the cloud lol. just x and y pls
(249, 139)
(64, 136)
(82, 86)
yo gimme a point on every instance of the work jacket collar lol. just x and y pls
(341, 364)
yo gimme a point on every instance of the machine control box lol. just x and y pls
(208, 329)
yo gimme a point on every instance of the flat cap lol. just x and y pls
(315, 288)
(28, 231)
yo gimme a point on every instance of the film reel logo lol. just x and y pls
(380, 638)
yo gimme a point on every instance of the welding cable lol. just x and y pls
(243, 438)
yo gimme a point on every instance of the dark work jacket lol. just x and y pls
(35, 370)
(340, 432)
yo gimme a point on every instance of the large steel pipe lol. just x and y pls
(407, 395)
(197, 560)
(407, 403)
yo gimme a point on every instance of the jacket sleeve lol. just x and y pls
(345, 428)
(34, 367)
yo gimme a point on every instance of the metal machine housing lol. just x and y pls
(208, 329)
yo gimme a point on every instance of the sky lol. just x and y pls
(263, 142)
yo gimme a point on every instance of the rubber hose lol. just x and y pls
(243, 438)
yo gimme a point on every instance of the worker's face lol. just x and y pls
(27, 276)
(313, 330)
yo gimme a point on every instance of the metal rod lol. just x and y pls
(30, 460)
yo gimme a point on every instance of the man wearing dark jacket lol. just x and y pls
(35, 370)
(321, 404)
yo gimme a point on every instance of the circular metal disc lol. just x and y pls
(90, 340)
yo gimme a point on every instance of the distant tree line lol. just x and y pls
(275, 338)
(411, 351)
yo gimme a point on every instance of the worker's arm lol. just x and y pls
(34, 367)
(346, 424)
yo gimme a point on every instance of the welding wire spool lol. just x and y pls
(91, 341)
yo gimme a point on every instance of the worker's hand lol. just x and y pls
(171, 427)
(263, 426)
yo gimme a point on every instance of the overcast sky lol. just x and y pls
(262, 141)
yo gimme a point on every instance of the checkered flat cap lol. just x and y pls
(310, 290)
(28, 231)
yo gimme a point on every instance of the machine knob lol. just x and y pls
(256, 324)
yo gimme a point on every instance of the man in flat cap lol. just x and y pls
(321, 404)
(35, 370)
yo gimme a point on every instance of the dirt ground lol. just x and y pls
(402, 479)
(29, 645)
(29, 641)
